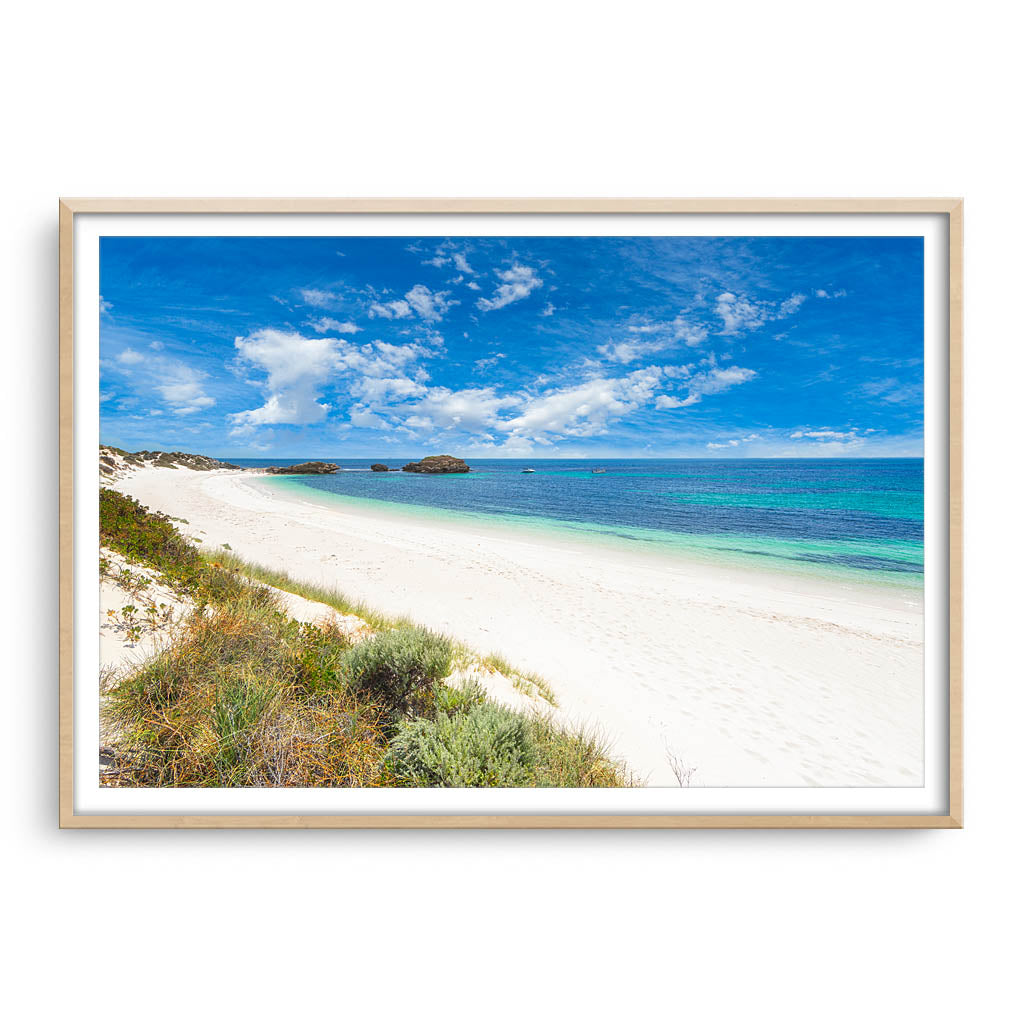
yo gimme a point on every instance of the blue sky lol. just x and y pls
(513, 347)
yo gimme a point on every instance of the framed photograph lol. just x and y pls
(510, 513)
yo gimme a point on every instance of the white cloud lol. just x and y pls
(489, 361)
(296, 368)
(446, 254)
(669, 402)
(734, 442)
(584, 409)
(470, 409)
(517, 283)
(182, 388)
(630, 351)
(322, 324)
(399, 309)
(429, 306)
(548, 310)
(318, 297)
(105, 307)
(890, 389)
(827, 435)
(373, 390)
(690, 334)
(740, 314)
(362, 417)
(821, 293)
(129, 357)
(707, 382)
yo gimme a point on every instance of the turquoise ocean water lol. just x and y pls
(847, 519)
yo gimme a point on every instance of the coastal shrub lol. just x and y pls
(399, 668)
(141, 535)
(152, 539)
(330, 596)
(229, 703)
(574, 758)
(455, 700)
(485, 746)
(322, 658)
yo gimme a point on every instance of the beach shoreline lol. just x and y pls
(747, 677)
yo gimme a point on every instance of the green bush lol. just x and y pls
(322, 658)
(455, 700)
(400, 668)
(143, 536)
(485, 746)
(150, 538)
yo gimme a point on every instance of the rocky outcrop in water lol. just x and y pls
(379, 467)
(437, 464)
(310, 468)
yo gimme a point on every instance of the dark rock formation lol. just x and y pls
(379, 467)
(304, 467)
(437, 464)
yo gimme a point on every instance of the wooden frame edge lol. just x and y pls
(507, 205)
(66, 465)
(515, 821)
(69, 207)
(956, 504)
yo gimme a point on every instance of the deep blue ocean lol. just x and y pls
(848, 518)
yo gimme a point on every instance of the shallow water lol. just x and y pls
(848, 519)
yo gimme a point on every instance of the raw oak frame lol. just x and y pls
(952, 208)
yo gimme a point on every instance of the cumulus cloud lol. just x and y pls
(740, 314)
(322, 324)
(630, 351)
(586, 409)
(708, 382)
(689, 333)
(295, 368)
(399, 309)
(446, 254)
(129, 357)
(517, 282)
(428, 305)
(468, 409)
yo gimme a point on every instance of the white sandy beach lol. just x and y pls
(749, 678)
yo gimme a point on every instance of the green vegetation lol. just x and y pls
(324, 595)
(243, 695)
(530, 683)
(399, 669)
(151, 539)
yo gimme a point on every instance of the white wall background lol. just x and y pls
(549, 98)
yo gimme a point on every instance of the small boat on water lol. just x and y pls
(599, 471)
(529, 471)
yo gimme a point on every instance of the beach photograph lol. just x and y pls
(511, 511)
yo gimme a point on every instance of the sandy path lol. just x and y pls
(752, 679)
